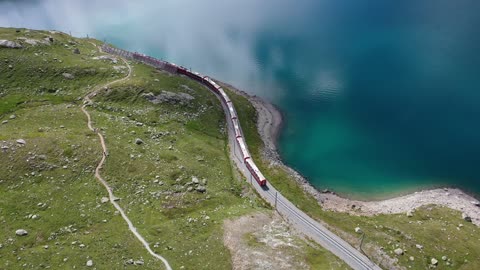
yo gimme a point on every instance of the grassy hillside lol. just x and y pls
(439, 230)
(159, 157)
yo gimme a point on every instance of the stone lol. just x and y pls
(104, 200)
(444, 258)
(398, 251)
(129, 261)
(21, 232)
(476, 203)
(138, 141)
(358, 230)
(13, 116)
(21, 141)
(138, 262)
(434, 261)
(411, 258)
(410, 213)
(76, 51)
(466, 217)
(5, 122)
(10, 44)
(419, 246)
(89, 263)
(195, 180)
(68, 76)
(201, 189)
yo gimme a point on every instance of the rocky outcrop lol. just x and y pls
(169, 97)
(68, 76)
(10, 44)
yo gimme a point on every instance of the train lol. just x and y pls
(212, 85)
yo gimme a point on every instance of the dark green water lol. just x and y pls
(379, 97)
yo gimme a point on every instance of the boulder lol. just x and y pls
(76, 51)
(201, 189)
(21, 232)
(9, 44)
(68, 76)
(195, 180)
(104, 200)
(419, 246)
(13, 116)
(21, 141)
(89, 263)
(358, 230)
(410, 213)
(398, 251)
(466, 217)
(138, 141)
(434, 261)
(444, 258)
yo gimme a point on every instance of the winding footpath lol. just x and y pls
(296, 217)
(87, 102)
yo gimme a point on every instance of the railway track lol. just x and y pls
(296, 217)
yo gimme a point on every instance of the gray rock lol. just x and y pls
(419, 246)
(201, 189)
(104, 200)
(76, 51)
(13, 116)
(138, 262)
(21, 141)
(129, 261)
(466, 217)
(398, 251)
(21, 232)
(9, 44)
(358, 230)
(444, 258)
(434, 261)
(68, 76)
(5, 122)
(195, 180)
(138, 141)
(410, 213)
(89, 263)
(169, 97)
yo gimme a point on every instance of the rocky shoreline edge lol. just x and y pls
(269, 123)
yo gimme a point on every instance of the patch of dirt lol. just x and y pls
(262, 241)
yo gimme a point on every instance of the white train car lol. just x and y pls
(243, 149)
(231, 110)
(261, 180)
(236, 128)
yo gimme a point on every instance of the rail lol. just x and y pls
(287, 209)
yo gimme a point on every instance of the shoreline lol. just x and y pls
(269, 123)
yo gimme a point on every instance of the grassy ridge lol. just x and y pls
(435, 228)
(48, 188)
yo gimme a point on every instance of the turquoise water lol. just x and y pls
(379, 97)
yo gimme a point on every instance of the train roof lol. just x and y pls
(243, 148)
(232, 110)
(255, 169)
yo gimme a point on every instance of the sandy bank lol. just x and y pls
(269, 123)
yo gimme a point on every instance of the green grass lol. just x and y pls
(433, 227)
